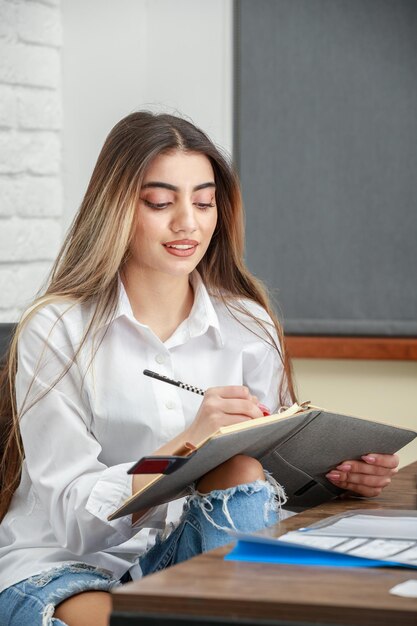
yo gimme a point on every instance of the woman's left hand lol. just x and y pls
(367, 477)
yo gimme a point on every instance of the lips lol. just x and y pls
(181, 247)
(181, 243)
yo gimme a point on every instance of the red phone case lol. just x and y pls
(158, 464)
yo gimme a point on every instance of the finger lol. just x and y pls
(366, 480)
(216, 406)
(390, 461)
(361, 467)
(230, 391)
(227, 420)
(241, 407)
(361, 490)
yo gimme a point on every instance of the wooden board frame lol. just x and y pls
(371, 348)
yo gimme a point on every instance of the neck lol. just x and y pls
(160, 302)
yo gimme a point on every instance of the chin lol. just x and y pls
(178, 270)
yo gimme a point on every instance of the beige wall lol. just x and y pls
(123, 56)
(380, 390)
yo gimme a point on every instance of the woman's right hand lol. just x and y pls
(222, 406)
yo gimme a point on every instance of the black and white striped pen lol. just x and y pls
(177, 383)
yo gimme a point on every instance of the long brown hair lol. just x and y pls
(97, 245)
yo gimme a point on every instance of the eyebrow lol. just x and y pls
(155, 183)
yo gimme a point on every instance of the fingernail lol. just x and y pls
(368, 458)
(345, 467)
(333, 476)
(264, 409)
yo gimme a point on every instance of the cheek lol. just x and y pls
(146, 229)
(140, 239)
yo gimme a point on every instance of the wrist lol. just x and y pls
(190, 434)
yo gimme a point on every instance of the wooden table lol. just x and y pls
(210, 591)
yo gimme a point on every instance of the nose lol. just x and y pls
(184, 219)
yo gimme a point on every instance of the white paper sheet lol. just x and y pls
(407, 589)
(385, 535)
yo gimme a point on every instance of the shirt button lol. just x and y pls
(160, 358)
(170, 404)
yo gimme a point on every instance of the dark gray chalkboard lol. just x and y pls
(326, 148)
(6, 333)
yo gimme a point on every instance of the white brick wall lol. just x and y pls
(30, 148)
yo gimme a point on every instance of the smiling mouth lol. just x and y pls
(180, 246)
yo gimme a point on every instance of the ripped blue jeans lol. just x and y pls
(206, 520)
(203, 526)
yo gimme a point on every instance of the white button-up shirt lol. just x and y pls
(81, 435)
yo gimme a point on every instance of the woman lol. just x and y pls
(151, 275)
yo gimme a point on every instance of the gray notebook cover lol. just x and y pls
(298, 450)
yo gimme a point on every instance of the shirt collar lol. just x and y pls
(202, 315)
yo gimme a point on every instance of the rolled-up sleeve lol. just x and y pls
(264, 379)
(75, 488)
(263, 370)
(111, 490)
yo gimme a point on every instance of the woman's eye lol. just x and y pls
(204, 205)
(156, 205)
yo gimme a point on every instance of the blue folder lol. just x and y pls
(270, 550)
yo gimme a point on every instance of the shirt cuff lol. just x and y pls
(153, 518)
(110, 492)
